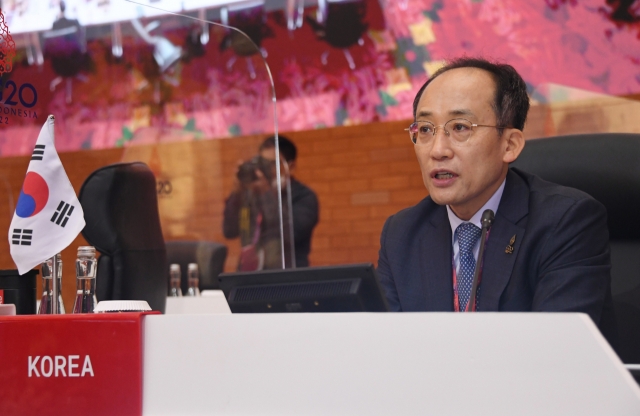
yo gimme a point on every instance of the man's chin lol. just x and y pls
(440, 199)
(446, 197)
(442, 196)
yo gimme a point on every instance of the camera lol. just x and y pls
(247, 171)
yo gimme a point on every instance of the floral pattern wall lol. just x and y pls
(214, 91)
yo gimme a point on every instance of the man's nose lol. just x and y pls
(441, 147)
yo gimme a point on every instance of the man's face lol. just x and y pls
(463, 176)
(270, 154)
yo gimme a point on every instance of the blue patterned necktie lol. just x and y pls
(468, 235)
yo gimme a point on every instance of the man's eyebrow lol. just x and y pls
(461, 112)
(457, 112)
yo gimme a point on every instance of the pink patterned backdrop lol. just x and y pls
(592, 45)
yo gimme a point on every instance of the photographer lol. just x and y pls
(251, 211)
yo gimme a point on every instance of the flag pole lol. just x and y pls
(54, 284)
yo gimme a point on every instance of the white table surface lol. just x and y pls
(210, 301)
(383, 364)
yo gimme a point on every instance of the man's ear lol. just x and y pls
(514, 143)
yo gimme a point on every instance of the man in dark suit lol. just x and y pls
(548, 247)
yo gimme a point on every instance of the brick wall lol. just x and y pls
(362, 174)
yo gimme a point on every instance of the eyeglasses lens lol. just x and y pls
(459, 130)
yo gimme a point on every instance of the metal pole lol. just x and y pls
(54, 284)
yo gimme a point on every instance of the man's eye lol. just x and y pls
(460, 127)
(426, 129)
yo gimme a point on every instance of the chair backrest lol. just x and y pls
(121, 211)
(607, 167)
(209, 257)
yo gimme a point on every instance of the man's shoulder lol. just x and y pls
(549, 199)
(299, 189)
(545, 192)
(415, 216)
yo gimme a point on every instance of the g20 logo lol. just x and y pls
(164, 187)
(26, 94)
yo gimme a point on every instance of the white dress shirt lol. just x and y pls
(491, 204)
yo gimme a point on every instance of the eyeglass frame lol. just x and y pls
(435, 128)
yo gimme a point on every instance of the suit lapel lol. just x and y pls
(498, 265)
(436, 254)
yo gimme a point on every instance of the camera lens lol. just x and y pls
(247, 172)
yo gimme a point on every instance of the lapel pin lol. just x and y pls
(509, 249)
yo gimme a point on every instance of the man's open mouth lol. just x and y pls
(444, 175)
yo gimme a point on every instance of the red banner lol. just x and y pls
(71, 364)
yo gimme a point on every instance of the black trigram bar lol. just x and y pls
(62, 214)
(15, 238)
(64, 222)
(38, 152)
(21, 237)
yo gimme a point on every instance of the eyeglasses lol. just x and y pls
(458, 129)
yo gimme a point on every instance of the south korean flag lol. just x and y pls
(48, 215)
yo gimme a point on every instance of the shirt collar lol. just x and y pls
(491, 204)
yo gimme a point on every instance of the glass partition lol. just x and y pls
(215, 83)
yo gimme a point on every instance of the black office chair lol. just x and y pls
(209, 257)
(607, 167)
(121, 211)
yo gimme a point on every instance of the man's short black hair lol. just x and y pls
(511, 102)
(287, 148)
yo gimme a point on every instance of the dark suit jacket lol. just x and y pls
(560, 260)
